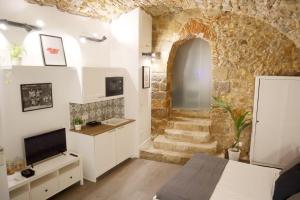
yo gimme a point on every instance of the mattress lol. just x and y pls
(241, 181)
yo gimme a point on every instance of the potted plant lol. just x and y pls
(16, 53)
(78, 123)
(241, 122)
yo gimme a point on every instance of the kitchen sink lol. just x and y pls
(115, 121)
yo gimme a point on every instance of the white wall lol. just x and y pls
(69, 27)
(122, 49)
(3, 178)
(18, 124)
(145, 45)
(132, 35)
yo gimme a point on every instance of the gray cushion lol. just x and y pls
(291, 164)
(295, 197)
(196, 181)
(287, 184)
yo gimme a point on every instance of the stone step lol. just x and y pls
(191, 113)
(151, 153)
(187, 136)
(199, 125)
(191, 119)
(161, 142)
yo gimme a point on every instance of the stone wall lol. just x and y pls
(242, 48)
(281, 14)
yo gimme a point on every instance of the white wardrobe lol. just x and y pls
(276, 121)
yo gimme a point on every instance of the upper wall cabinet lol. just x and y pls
(90, 84)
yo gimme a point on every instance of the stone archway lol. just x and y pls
(242, 48)
(162, 82)
(191, 30)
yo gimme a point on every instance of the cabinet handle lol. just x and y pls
(46, 190)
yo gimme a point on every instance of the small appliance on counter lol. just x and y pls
(93, 123)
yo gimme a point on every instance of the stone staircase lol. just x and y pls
(187, 133)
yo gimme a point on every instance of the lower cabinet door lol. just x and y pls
(124, 143)
(44, 188)
(105, 151)
(68, 176)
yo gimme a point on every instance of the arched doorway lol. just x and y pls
(191, 76)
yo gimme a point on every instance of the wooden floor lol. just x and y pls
(135, 179)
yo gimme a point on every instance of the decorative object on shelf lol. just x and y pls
(78, 123)
(241, 122)
(10, 167)
(19, 164)
(146, 77)
(83, 39)
(36, 96)
(53, 50)
(27, 173)
(27, 27)
(16, 54)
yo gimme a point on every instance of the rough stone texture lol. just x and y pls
(282, 14)
(242, 48)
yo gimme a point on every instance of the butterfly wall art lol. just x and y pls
(53, 50)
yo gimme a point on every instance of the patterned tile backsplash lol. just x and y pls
(98, 111)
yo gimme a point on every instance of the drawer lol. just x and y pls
(68, 176)
(43, 189)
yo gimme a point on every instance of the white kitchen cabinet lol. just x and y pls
(93, 84)
(124, 142)
(275, 136)
(101, 152)
(105, 151)
(90, 84)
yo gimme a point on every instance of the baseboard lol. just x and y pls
(137, 153)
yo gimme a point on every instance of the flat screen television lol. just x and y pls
(43, 146)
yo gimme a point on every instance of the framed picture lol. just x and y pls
(53, 50)
(36, 96)
(146, 77)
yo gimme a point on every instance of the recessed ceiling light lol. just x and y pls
(40, 23)
(3, 26)
(82, 39)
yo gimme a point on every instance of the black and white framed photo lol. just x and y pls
(53, 50)
(146, 77)
(36, 96)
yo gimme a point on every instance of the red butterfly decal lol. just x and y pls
(53, 50)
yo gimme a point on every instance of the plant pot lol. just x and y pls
(233, 154)
(78, 127)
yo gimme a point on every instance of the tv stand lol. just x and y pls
(51, 177)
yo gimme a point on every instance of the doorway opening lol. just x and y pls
(192, 75)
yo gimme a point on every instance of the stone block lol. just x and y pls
(161, 95)
(222, 87)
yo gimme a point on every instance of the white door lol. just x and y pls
(277, 128)
(105, 151)
(124, 142)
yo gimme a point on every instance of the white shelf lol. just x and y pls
(50, 166)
